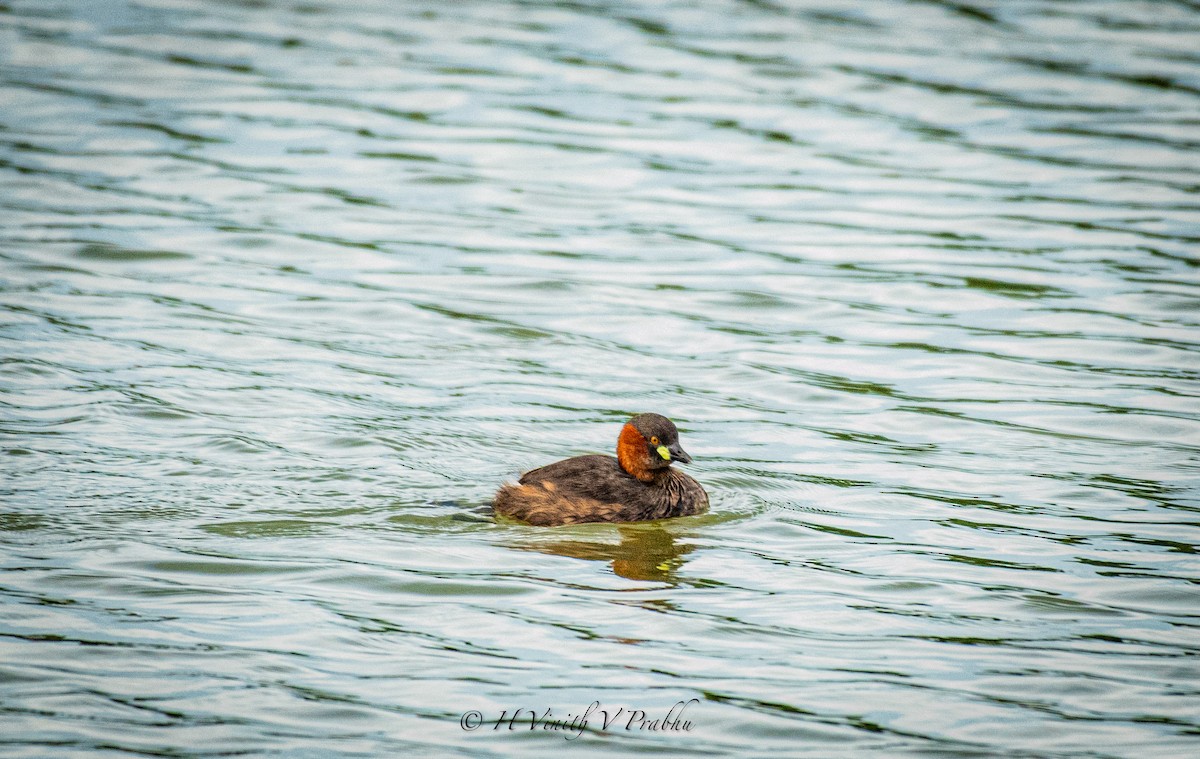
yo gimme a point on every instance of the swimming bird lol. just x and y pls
(639, 484)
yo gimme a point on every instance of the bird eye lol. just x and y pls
(653, 440)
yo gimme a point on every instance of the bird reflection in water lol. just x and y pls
(646, 552)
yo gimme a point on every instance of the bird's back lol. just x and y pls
(595, 489)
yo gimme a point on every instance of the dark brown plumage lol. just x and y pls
(637, 485)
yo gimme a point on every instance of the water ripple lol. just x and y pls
(288, 290)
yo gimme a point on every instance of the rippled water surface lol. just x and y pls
(289, 288)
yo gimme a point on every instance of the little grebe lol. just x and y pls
(638, 484)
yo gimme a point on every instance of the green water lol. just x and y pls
(289, 288)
